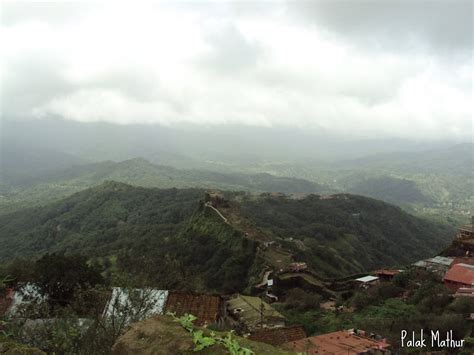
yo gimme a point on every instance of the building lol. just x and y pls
(367, 281)
(386, 275)
(254, 313)
(438, 265)
(459, 275)
(14, 301)
(466, 232)
(207, 308)
(340, 343)
(138, 304)
(135, 304)
(464, 260)
(278, 336)
(297, 267)
(464, 292)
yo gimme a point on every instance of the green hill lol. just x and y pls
(172, 239)
(347, 233)
(140, 172)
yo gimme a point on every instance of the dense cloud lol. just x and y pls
(365, 68)
(445, 27)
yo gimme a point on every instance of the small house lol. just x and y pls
(386, 275)
(459, 276)
(367, 281)
(254, 313)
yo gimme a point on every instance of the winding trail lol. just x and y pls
(208, 204)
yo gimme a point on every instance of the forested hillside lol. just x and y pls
(168, 235)
(97, 221)
(346, 233)
(140, 172)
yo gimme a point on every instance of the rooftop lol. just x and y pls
(132, 301)
(368, 278)
(206, 308)
(387, 272)
(420, 263)
(467, 227)
(441, 260)
(248, 309)
(278, 336)
(461, 273)
(464, 260)
(23, 295)
(341, 342)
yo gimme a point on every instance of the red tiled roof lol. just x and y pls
(206, 308)
(341, 342)
(278, 336)
(460, 273)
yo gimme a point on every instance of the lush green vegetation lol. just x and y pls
(207, 254)
(347, 234)
(156, 235)
(98, 221)
(168, 238)
(203, 341)
(414, 300)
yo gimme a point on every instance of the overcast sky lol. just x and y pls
(366, 68)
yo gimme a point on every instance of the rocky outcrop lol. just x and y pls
(160, 335)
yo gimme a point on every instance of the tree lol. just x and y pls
(59, 276)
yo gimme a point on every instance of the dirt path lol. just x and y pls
(208, 204)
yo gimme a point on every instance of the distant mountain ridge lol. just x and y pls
(140, 172)
(457, 159)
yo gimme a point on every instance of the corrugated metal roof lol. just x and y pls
(26, 294)
(135, 304)
(367, 278)
(420, 263)
(441, 260)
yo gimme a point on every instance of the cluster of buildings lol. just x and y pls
(252, 316)
(259, 321)
(457, 273)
